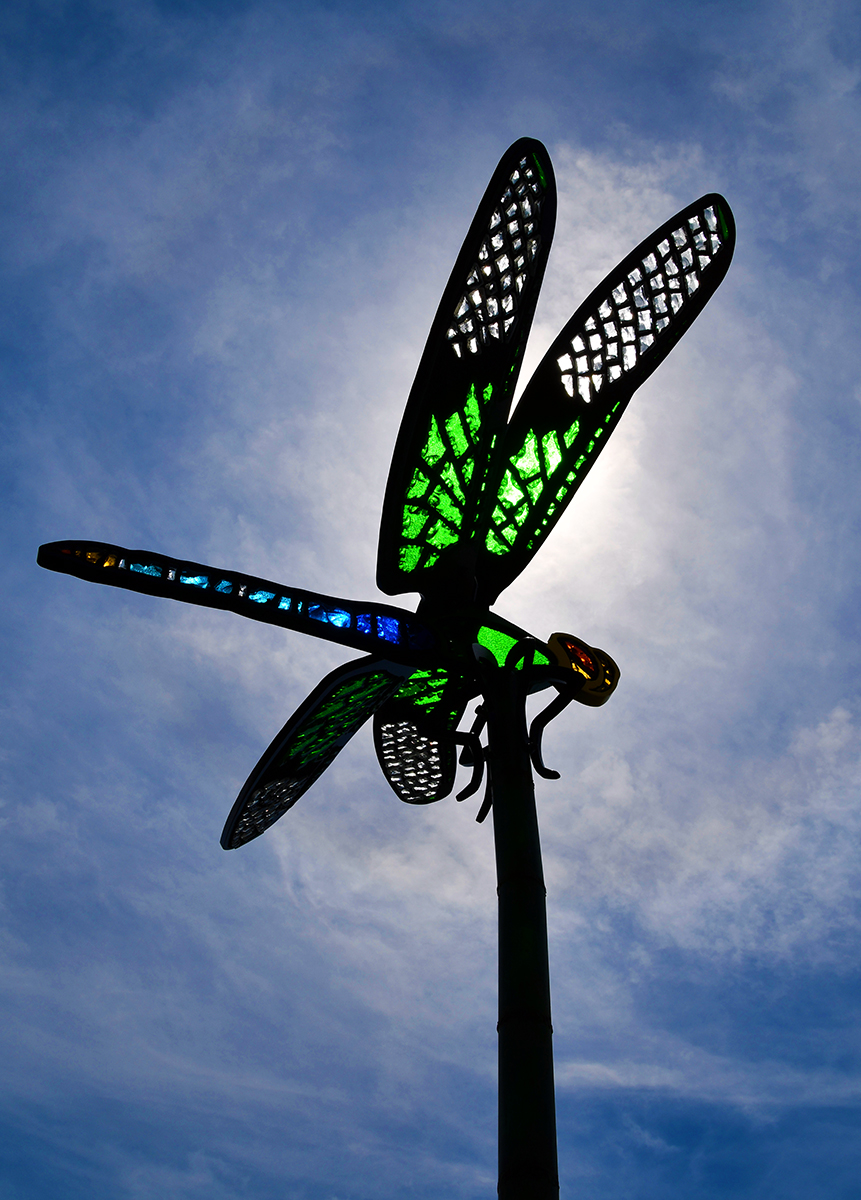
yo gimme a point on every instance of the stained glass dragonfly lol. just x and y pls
(473, 493)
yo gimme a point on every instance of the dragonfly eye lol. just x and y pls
(583, 659)
(571, 652)
(598, 670)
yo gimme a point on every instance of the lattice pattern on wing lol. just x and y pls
(420, 768)
(488, 308)
(307, 744)
(528, 474)
(413, 735)
(582, 386)
(435, 508)
(641, 305)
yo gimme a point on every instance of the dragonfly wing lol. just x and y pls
(379, 629)
(308, 743)
(462, 393)
(414, 734)
(569, 408)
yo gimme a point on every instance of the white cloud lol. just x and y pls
(227, 357)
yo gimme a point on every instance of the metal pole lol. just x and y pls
(528, 1167)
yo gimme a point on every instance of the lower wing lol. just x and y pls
(414, 734)
(311, 739)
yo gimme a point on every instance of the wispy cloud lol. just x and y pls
(226, 239)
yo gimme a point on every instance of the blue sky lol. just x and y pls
(225, 231)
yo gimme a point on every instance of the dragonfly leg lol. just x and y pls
(536, 731)
(467, 757)
(472, 755)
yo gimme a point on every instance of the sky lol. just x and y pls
(225, 229)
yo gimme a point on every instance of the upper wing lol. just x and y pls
(306, 745)
(375, 628)
(463, 389)
(571, 405)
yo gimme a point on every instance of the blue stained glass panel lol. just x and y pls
(261, 597)
(389, 629)
(200, 581)
(146, 569)
(225, 587)
(332, 616)
(363, 623)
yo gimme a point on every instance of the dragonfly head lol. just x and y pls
(596, 667)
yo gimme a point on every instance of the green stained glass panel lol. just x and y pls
(434, 447)
(472, 415)
(442, 501)
(450, 479)
(456, 435)
(440, 487)
(425, 688)
(498, 643)
(526, 459)
(353, 702)
(552, 452)
(418, 486)
(510, 493)
(415, 520)
(409, 557)
(441, 535)
(534, 658)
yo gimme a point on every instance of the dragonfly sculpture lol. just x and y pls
(471, 497)
(473, 493)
